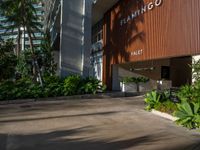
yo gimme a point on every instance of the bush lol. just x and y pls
(152, 99)
(92, 85)
(167, 107)
(159, 101)
(188, 114)
(53, 87)
(136, 80)
(72, 85)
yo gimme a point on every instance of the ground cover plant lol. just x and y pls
(159, 101)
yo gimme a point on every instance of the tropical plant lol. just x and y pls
(53, 86)
(22, 14)
(188, 114)
(72, 85)
(91, 85)
(152, 99)
(7, 60)
(46, 56)
(186, 93)
(166, 107)
(196, 69)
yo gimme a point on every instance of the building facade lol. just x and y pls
(6, 35)
(70, 28)
(152, 38)
(156, 39)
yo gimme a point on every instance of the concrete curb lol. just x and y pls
(76, 97)
(164, 115)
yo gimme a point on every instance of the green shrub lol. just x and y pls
(166, 106)
(152, 99)
(186, 93)
(91, 86)
(188, 114)
(53, 86)
(23, 88)
(136, 80)
(165, 96)
(72, 85)
(6, 90)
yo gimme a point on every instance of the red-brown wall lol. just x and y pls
(170, 30)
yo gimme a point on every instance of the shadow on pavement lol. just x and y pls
(60, 116)
(70, 140)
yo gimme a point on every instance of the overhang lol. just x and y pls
(100, 7)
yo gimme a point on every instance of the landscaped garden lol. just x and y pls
(185, 104)
(31, 72)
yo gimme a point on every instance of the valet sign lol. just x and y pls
(148, 7)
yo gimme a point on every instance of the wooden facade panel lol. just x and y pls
(170, 30)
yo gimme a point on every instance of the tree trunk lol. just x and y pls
(18, 43)
(36, 68)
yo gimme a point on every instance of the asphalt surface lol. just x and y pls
(100, 124)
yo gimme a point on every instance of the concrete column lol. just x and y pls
(115, 78)
(75, 37)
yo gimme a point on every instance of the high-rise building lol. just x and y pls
(5, 35)
(69, 23)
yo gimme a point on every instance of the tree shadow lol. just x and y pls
(118, 38)
(76, 139)
(60, 117)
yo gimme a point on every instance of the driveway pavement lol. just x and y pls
(104, 124)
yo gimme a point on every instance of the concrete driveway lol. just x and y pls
(104, 124)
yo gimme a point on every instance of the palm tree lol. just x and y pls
(21, 13)
(9, 9)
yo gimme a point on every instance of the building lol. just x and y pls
(152, 38)
(6, 35)
(70, 28)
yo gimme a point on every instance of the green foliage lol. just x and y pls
(20, 89)
(72, 84)
(24, 64)
(165, 96)
(136, 80)
(186, 93)
(53, 86)
(77, 85)
(166, 106)
(46, 56)
(160, 101)
(91, 85)
(188, 114)
(196, 70)
(152, 99)
(7, 60)
(190, 93)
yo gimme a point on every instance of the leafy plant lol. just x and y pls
(7, 60)
(53, 86)
(186, 93)
(136, 80)
(152, 99)
(72, 85)
(92, 85)
(166, 106)
(188, 114)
